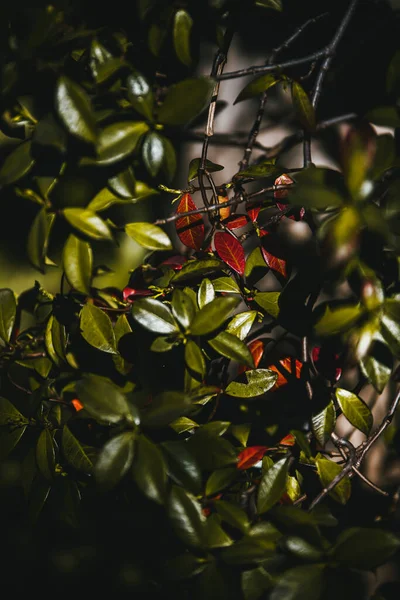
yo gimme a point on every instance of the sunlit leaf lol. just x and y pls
(230, 250)
(190, 228)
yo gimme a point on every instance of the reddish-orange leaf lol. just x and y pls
(286, 364)
(230, 250)
(257, 350)
(282, 180)
(190, 228)
(250, 456)
(77, 404)
(254, 212)
(129, 294)
(288, 440)
(226, 210)
(277, 264)
(240, 221)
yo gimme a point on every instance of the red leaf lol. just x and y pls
(277, 264)
(327, 363)
(257, 350)
(190, 229)
(286, 364)
(175, 262)
(253, 212)
(262, 232)
(250, 456)
(240, 221)
(129, 294)
(282, 180)
(288, 440)
(230, 250)
(77, 404)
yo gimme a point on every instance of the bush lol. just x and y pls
(192, 433)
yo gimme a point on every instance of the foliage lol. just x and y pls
(182, 432)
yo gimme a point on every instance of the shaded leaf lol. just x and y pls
(183, 308)
(255, 583)
(323, 423)
(304, 109)
(233, 515)
(198, 268)
(149, 470)
(365, 548)
(274, 4)
(114, 460)
(299, 583)
(38, 238)
(77, 261)
(45, 454)
(327, 471)
(257, 86)
(185, 100)
(182, 465)
(264, 169)
(338, 320)
(74, 452)
(166, 407)
(230, 250)
(153, 152)
(149, 236)
(259, 381)
(220, 479)
(186, 517)
(377, 365)
(97, 329)
(194, 165)
(17, 164)
(194, 358)
(103, 399)
(9, 439)
(182, 27)
(9, 415)
(190, 229)
(8, 311)
(272, 485)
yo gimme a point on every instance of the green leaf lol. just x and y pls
(299, 583)
(86, 222)
(386, 116)
(169, 164)
(118, 141)
(226, 284)
(390, 327)
(233, 515)
(301, 548)
(259, 381)
(166, 407)
(272, 485)
(198, 268)
(164, 344)
(327, 471)
(140, 94)
(215, 536)
(183, 424)
(269, 302)
(148, 236)
(205, 293)
(213, 315)
(365, 548)
(195, 164)
(74, 452)
(220, 479)
(182, 27)
(257, 86)
(274, 4)
(255, 262)
(103, 200)
(156, 37)
(123, 185)
(303, 107)
(77, 261)
(97, 329)
(377, 365)
(232, 347)
(255, 583)
(183, 308)
(39, 493)
(9, 439)
(149, 470)
(266, 168)
(211, 450)
(154, 316)
(9, 415)
(248, 551)
(38, 238)
(338, 320)
(45, 454)
(194, 358)
(17, 164)
(75, 111)
(323, 423)
(182, 465)
(185, 100)
(55, 340)
(186, 517)
(8, 311)
(241, 324)
(114, 460)
(355, 410)
(153, 153)
(102, 399)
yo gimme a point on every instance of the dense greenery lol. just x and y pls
(184, 435)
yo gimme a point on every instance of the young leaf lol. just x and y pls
(185, 100)
(77, 261)
(257, 86)
(259, 381)
(183, 23)
(272, 485)
(97, 329)
(230, 250)
(148, 236)
(75, 111)
(154, 316)
(355, 410)
(232, 347)
(241, 324)
(195, 164)
(149, 470)
(213, 315)
(250, 456)
(205, 293)
(103, 399)
(327, 471)
(8, 311)
(186, 517)
(86, 222)
(190, 229)
(277, 264)
(237, 222)
(304, 108)
(323, 424)
(114, 460)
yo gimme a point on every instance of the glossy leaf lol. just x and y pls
(194, 358)
(183, 308)
(149, 236)
(377, 366)
(140, 94)
(17, 164)
(8, 311)
(77, 261)
(166, 407)
(38, 238)
(303, 107)
(194, 165)
(273, 4)
(241, 324)
(257, 86)
(230, 250)
(103, 200)
(233, 515)
(190, 229)
(365, 548)
(299, 583)
(102, 399)
(86, 222)
(213, 315)
(153, 153)
(255, 265)
(231, 346)
(226, 285)
(338, 320)
(355, 410)
(154, 316)
(182, 466)
(186, 517)
(268, 301)
(149, 470)
(55, 340)
(75, 111)
(323, 424)
(123, 184)
(185, 100)
(114, 460)
(259, 381)
(205, 293)
(97, 329)
(274, 263)
(255, 583)
(182, 27)
(219, 480)
(198, 268)
(118, 141)
(327, 471)
(75, 453)
(250, 456)
(272, 485)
